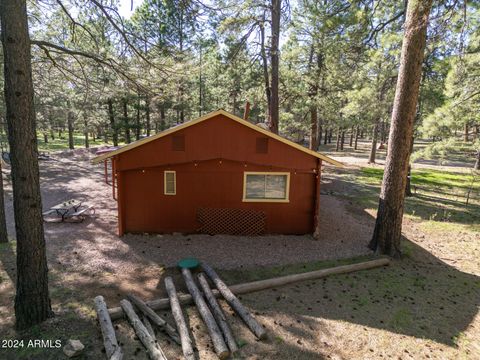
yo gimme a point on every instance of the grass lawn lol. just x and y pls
(62, 143)
(59, 144)
(440, 197)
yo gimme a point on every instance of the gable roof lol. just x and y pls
(209, 116)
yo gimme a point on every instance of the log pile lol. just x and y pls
(205, 299)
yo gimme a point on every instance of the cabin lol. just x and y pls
(218, 174)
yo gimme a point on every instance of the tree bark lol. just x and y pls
(113, 126)
(154, 350)
(330, 135)
(126, 124)
(388, 226)
(320, 133)
(357, 131)
(466, 130)
(156, 319)
(85, 131)
(147, 115)
(137, 121)
(339, 136)
(352, 134)
(325, 138)
(207, 316)
(71, 143)
(313, 128)
(32, 302)
(3, 221)
(218, 313)
(177, 313)
(266, 77)
(342, 140)
(108, 332)
(373, 148)
(274, 59)
(162, 118)
(236, 305)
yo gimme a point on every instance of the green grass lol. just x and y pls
(62, 143)
(439, 199)
(59, 144)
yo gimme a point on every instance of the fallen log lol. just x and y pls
(218, 314)
(177, 313)
(212, 327)
(108, 332)
(153, 349)
(154, 317)
(236, 304)
(239, 289)
(117, 355)
(148, 325)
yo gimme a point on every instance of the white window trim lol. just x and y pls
(165, 182)
(287, 190)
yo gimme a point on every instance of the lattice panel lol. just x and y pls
(231, 221)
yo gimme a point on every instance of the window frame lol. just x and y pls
(165, 182)
(268, 200)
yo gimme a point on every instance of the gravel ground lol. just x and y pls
(93, 246)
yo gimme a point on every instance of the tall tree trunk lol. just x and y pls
(3, 221)
(32, 302)
(357, 132)
(113, 126)
(313, 128)
(352, 132)
(147, 115)
(274, 59)
(137, 121)
(339, 136)
(126, 123)
(71, 143)
(200, 85)
(466, 130)
(325, 138)
(330, 135)
(320, 133)
(85, 131)
(45, 138)
(162, 118)
(388, 226)
(408, 187)
(373, 148)
(342, 140)
(266, 77)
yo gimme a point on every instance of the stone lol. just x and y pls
(73, 348)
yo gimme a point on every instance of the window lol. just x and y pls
(170, 182)
(178, 143)
(266, 187)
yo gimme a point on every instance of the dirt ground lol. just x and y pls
(424, 306)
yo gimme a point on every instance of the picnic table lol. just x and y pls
(64, 208)
(70, 209)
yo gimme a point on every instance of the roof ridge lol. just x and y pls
(209, 116)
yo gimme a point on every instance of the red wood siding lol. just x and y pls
(210, 173)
